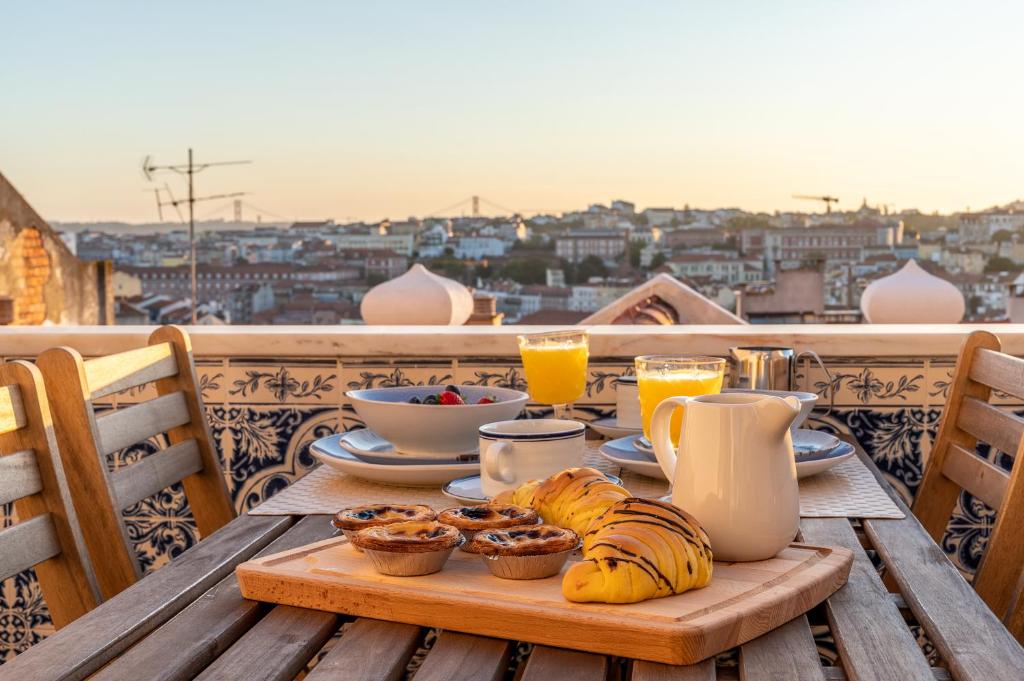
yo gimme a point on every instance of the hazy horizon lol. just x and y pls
(359, 112)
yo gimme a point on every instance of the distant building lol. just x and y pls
(721, 267)
(976, 228)
(608, 246)
(478, 247)
(399, 243)
(831, 242)
(660, 217)
(214, 282)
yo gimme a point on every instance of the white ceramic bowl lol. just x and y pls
(429, 430)
(807, 401)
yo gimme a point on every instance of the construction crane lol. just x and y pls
(829, 200)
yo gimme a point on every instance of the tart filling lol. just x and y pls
(415, 536)
(372, 515)
(475, 518)
(524, 540)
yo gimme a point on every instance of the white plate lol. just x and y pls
(610, 428)
(372, 448)
(419, 475)
(808, 442)
(624, 453)
(468, 489)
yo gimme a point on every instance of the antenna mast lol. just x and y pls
(189, 170)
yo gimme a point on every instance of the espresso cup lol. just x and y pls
(627, 403)
(514, 452)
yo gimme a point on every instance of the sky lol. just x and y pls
(358, 110)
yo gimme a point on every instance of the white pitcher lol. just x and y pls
(735, 471)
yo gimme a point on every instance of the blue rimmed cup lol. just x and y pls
(514, 452)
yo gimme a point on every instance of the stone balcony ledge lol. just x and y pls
(446, 342)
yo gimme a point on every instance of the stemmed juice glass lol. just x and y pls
(555, 364)
(662, 376)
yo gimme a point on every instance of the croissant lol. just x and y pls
(639, 549)
(570, 499)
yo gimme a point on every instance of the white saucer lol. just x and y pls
(808, 442)
(468, 490)
(609, 428)
(429, 474)
(368, 446)
(806, 466)
(624, 453)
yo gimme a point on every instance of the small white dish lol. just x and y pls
(371, 447)
(808, 466)
(808, 442)
(624, 454)
(469, 490)
(610, 428)
(414, 475)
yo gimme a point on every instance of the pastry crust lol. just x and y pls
(488, 517)
(373, 515)
(525, 540)
(415, 536)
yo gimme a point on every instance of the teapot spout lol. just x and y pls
(779, 412)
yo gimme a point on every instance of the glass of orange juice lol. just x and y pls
(662, 376)
(555, 364)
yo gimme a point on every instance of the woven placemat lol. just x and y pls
(847, 491)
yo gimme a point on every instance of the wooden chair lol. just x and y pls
(85, 441)
(954, 466)
(47, 536)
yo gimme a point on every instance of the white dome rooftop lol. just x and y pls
(912, 296)
(418, 297)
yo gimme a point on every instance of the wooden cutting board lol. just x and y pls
(743, 600)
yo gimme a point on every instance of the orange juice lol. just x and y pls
(689, 383)
(555, 373)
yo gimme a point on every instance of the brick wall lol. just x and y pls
(42, 280)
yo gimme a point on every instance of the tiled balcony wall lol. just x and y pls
(270, 391)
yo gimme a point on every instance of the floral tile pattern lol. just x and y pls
(264, 413)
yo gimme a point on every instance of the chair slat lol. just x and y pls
(1000, 371)
(12, 413)
(990, 424)
(984, 480)
(157, 471)
(124, 427)
(19, 476)
(24, 545)
(114, 373)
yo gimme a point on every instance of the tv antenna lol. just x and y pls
(188, 170)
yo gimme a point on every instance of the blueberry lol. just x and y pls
(452, 389)
(414, 400)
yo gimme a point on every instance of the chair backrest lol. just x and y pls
(954, 465)
(47, 536)
(86, 440)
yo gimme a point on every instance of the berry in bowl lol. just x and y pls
(435, 421)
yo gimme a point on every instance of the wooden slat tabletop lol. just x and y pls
(188, 620)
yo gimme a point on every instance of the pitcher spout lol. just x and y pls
(778, 413)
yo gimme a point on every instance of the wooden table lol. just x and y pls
(188, 620)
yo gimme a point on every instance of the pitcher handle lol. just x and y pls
(828, 377)
(661, 434)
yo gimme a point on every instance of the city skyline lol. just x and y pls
(366, 113)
